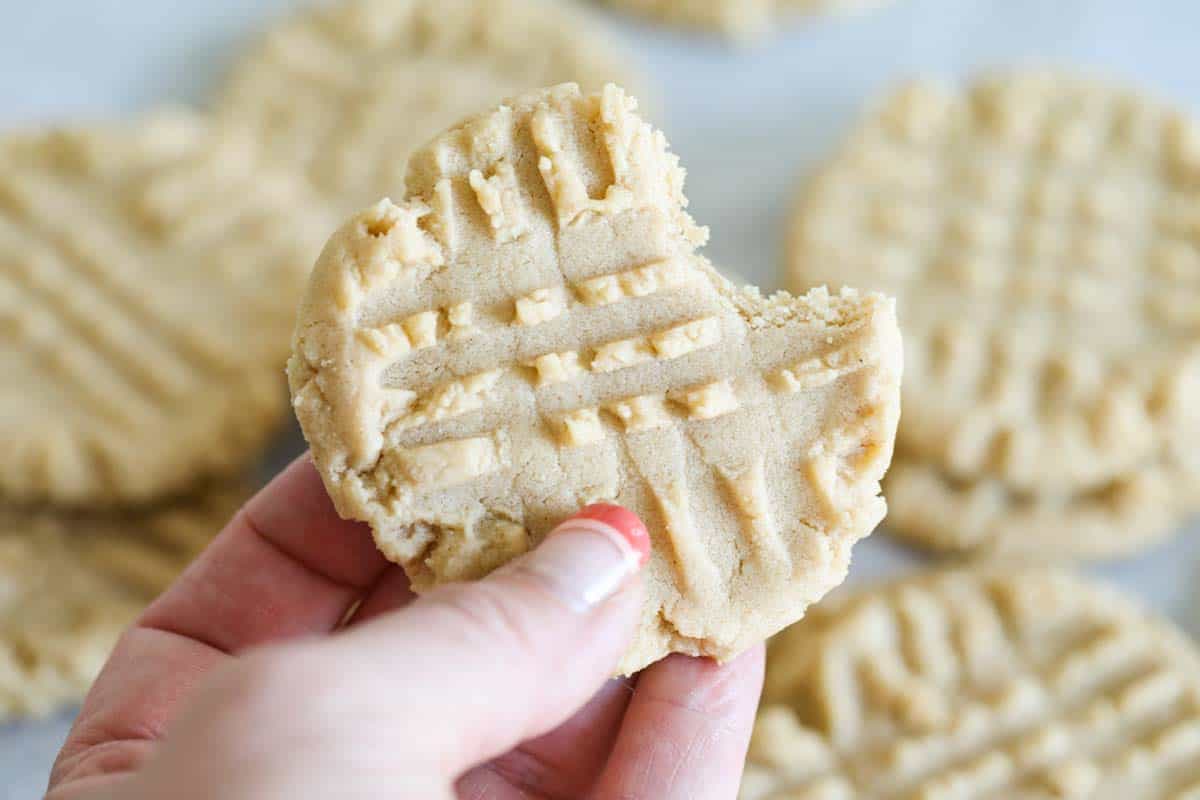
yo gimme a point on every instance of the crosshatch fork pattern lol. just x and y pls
(71, 583)
(1042, 235)
(532, 331)
(145, 270)
(1018, 683)
(324, 86)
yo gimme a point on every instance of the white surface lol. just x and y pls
(747, 123)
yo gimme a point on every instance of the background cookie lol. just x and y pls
(1016, 684)
(70, 584)
(985, 518)
(544, 261)
(1040, 234)
(742, 19)
(148, 276)
(349, 90)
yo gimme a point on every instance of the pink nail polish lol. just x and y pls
(588, 557)
(624, 522)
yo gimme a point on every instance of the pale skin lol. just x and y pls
(246, 679)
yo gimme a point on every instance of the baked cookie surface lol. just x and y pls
(148, 276)
(1025, 684)
(985, 519)
(1039, 232)
(739, 19)
(531, 330)
(347, 91)
(71, 583)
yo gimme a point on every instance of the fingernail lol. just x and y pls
(589, 557)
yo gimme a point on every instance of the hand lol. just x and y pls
(246, 680)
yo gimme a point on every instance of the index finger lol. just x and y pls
(285, 566)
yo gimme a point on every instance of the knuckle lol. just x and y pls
(113, 757)
(526, 767)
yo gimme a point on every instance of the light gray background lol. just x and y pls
(747, 123)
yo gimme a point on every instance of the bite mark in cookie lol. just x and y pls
(607, 361)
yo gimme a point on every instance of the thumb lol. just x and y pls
(492, 663)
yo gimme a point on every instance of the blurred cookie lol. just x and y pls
(984, 518)
(148, 280)
(1042, 236)
(1017, 684)
(70, 584)
(531, 330)
(349, 90)
(740, 19)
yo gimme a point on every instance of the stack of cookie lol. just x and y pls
(1042, 235)
(147, 271)
(149, 276)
